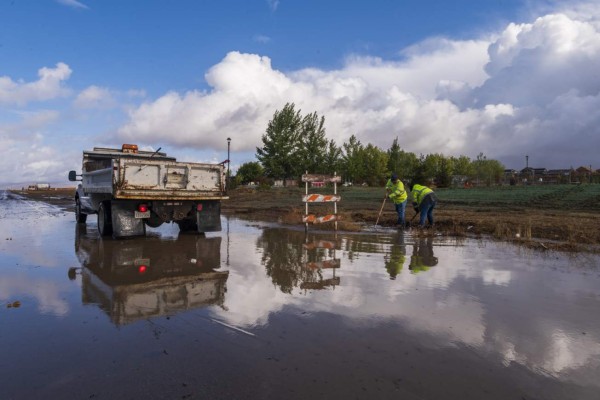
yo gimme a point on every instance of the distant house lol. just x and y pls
(533, 175)
(583, 170)
(285, 183)
(558, 176)
(584, 174)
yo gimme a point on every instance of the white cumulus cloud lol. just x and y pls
(532, 88)
(48, 86)
(95, 97)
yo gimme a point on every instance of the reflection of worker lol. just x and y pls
(394, 260)
(424, 200)
(422, 258)
(398, 196)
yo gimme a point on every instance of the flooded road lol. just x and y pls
(260, 311)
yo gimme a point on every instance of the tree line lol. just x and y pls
(294, 143)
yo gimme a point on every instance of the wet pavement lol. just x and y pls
(261, 311)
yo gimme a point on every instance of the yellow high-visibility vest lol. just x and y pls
(419, 192)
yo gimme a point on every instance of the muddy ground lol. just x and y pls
(545, 229)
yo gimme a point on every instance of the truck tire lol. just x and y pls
(104, 219)
(79, 216)
(154, 221)
(187, 225)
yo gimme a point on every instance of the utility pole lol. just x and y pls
(526, 168)
(228, 163)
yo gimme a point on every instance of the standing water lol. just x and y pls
(263, 311)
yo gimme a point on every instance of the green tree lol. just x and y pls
(333, 157)
(313, 151)
(250, 172)
(394, 153)
(280, 155)
(408, 163)
(462, 166)
(487, 171)
(375, 163)
(443, 178)
(438, 168)
(420, 172)
(352, 160)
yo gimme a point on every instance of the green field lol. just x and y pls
(568, 197)
(584, 197)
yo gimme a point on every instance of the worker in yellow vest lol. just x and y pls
(424, 200)
(397, 194)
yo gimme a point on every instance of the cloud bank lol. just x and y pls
(528, 89)
(531, 89)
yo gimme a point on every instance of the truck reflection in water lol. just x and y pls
(149, 276)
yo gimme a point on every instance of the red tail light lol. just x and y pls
(142, 269)
(143, 207)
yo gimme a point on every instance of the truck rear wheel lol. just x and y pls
(79, 216)
(104, 219)
(187, 225)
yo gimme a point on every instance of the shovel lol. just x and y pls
(381, 210)
(413, 217)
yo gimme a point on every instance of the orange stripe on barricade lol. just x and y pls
(320, 198)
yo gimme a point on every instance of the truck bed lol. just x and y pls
(131, 178)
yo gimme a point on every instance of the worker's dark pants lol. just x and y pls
(426, 209)
(400, 209)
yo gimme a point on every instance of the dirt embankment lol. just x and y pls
(557, 229)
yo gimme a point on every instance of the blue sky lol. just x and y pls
(458, 78)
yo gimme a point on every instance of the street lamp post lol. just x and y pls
(228, 162)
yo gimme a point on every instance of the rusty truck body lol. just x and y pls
(129, 189)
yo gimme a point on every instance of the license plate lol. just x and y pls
(139, 214)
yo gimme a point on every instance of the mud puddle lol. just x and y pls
(258, 311)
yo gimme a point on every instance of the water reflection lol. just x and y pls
(151, 276)
(394, 260)
(422, 256)
(296, 259)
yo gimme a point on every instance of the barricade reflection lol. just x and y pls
(150, 276)
(294, 259)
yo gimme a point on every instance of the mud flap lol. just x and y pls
(123, 221)
(208, 218)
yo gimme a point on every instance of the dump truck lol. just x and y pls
(129, 189)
